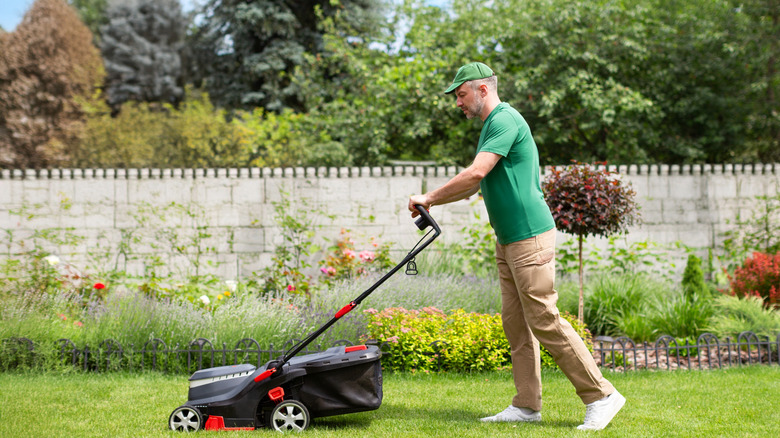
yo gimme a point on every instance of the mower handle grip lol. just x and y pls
(425, 219)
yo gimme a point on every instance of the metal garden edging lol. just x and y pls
(617, 354)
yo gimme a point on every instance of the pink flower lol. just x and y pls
(367, 256)
(63, 317)
(78, 324)
(99, 286)
(393, 339)
(350, 254)
(330, 271)
(290, 287)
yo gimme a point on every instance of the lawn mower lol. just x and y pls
(286, 393)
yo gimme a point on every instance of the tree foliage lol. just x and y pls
(245, 50)
(585, 200)
(198, 135)
(141, 47)
(762, 49)
(383, 99)
(624, 82)
(92, 13)
(48, 68)
(651, 81)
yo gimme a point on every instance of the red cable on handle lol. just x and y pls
(346, 309)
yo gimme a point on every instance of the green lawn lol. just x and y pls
(738, 402)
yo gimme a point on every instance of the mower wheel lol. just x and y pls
(289, 415)
(185, 419)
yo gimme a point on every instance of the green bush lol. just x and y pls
(467, 341)
(735, 315)
(680, 316)
(198, 134)
(693, 278)
(612, 298)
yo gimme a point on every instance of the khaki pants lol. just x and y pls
(530, 316)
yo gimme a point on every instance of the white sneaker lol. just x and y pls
(599, 413)
(514, 414)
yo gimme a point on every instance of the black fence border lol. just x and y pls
(615, 354)
(623, 354)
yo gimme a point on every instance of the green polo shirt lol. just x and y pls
(512, 190)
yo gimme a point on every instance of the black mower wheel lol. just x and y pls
(289, 415)
(185, 419)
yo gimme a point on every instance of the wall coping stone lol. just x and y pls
(362, 172)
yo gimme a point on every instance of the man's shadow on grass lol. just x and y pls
(465, 417)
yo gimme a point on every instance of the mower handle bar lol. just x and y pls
(422, 223)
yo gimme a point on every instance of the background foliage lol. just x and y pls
(141, 47)
(657, 81)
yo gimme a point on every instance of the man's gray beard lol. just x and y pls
(476, 110)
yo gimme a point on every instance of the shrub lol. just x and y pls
(693, 278)
(759, 276)
(637, 326)
(616, 298)
(198, 134)
(682, 316)
(467, 341)
(734, 316)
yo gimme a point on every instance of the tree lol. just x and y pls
(48, 68)
(626, 82)
(383, 99)
(763, 49)
(141, 47)
(244, 51)
(585, 200)
(92, 13)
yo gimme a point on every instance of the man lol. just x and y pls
(506, 169)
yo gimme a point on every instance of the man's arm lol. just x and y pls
(461, 186)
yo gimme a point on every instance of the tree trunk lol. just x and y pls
(581, 310)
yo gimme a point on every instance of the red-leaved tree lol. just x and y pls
(588, 200)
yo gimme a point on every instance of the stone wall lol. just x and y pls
(222, 220)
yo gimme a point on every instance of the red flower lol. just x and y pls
(99, 286)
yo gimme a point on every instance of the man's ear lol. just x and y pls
(483, 90)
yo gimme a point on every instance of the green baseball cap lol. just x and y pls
(469, 72)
